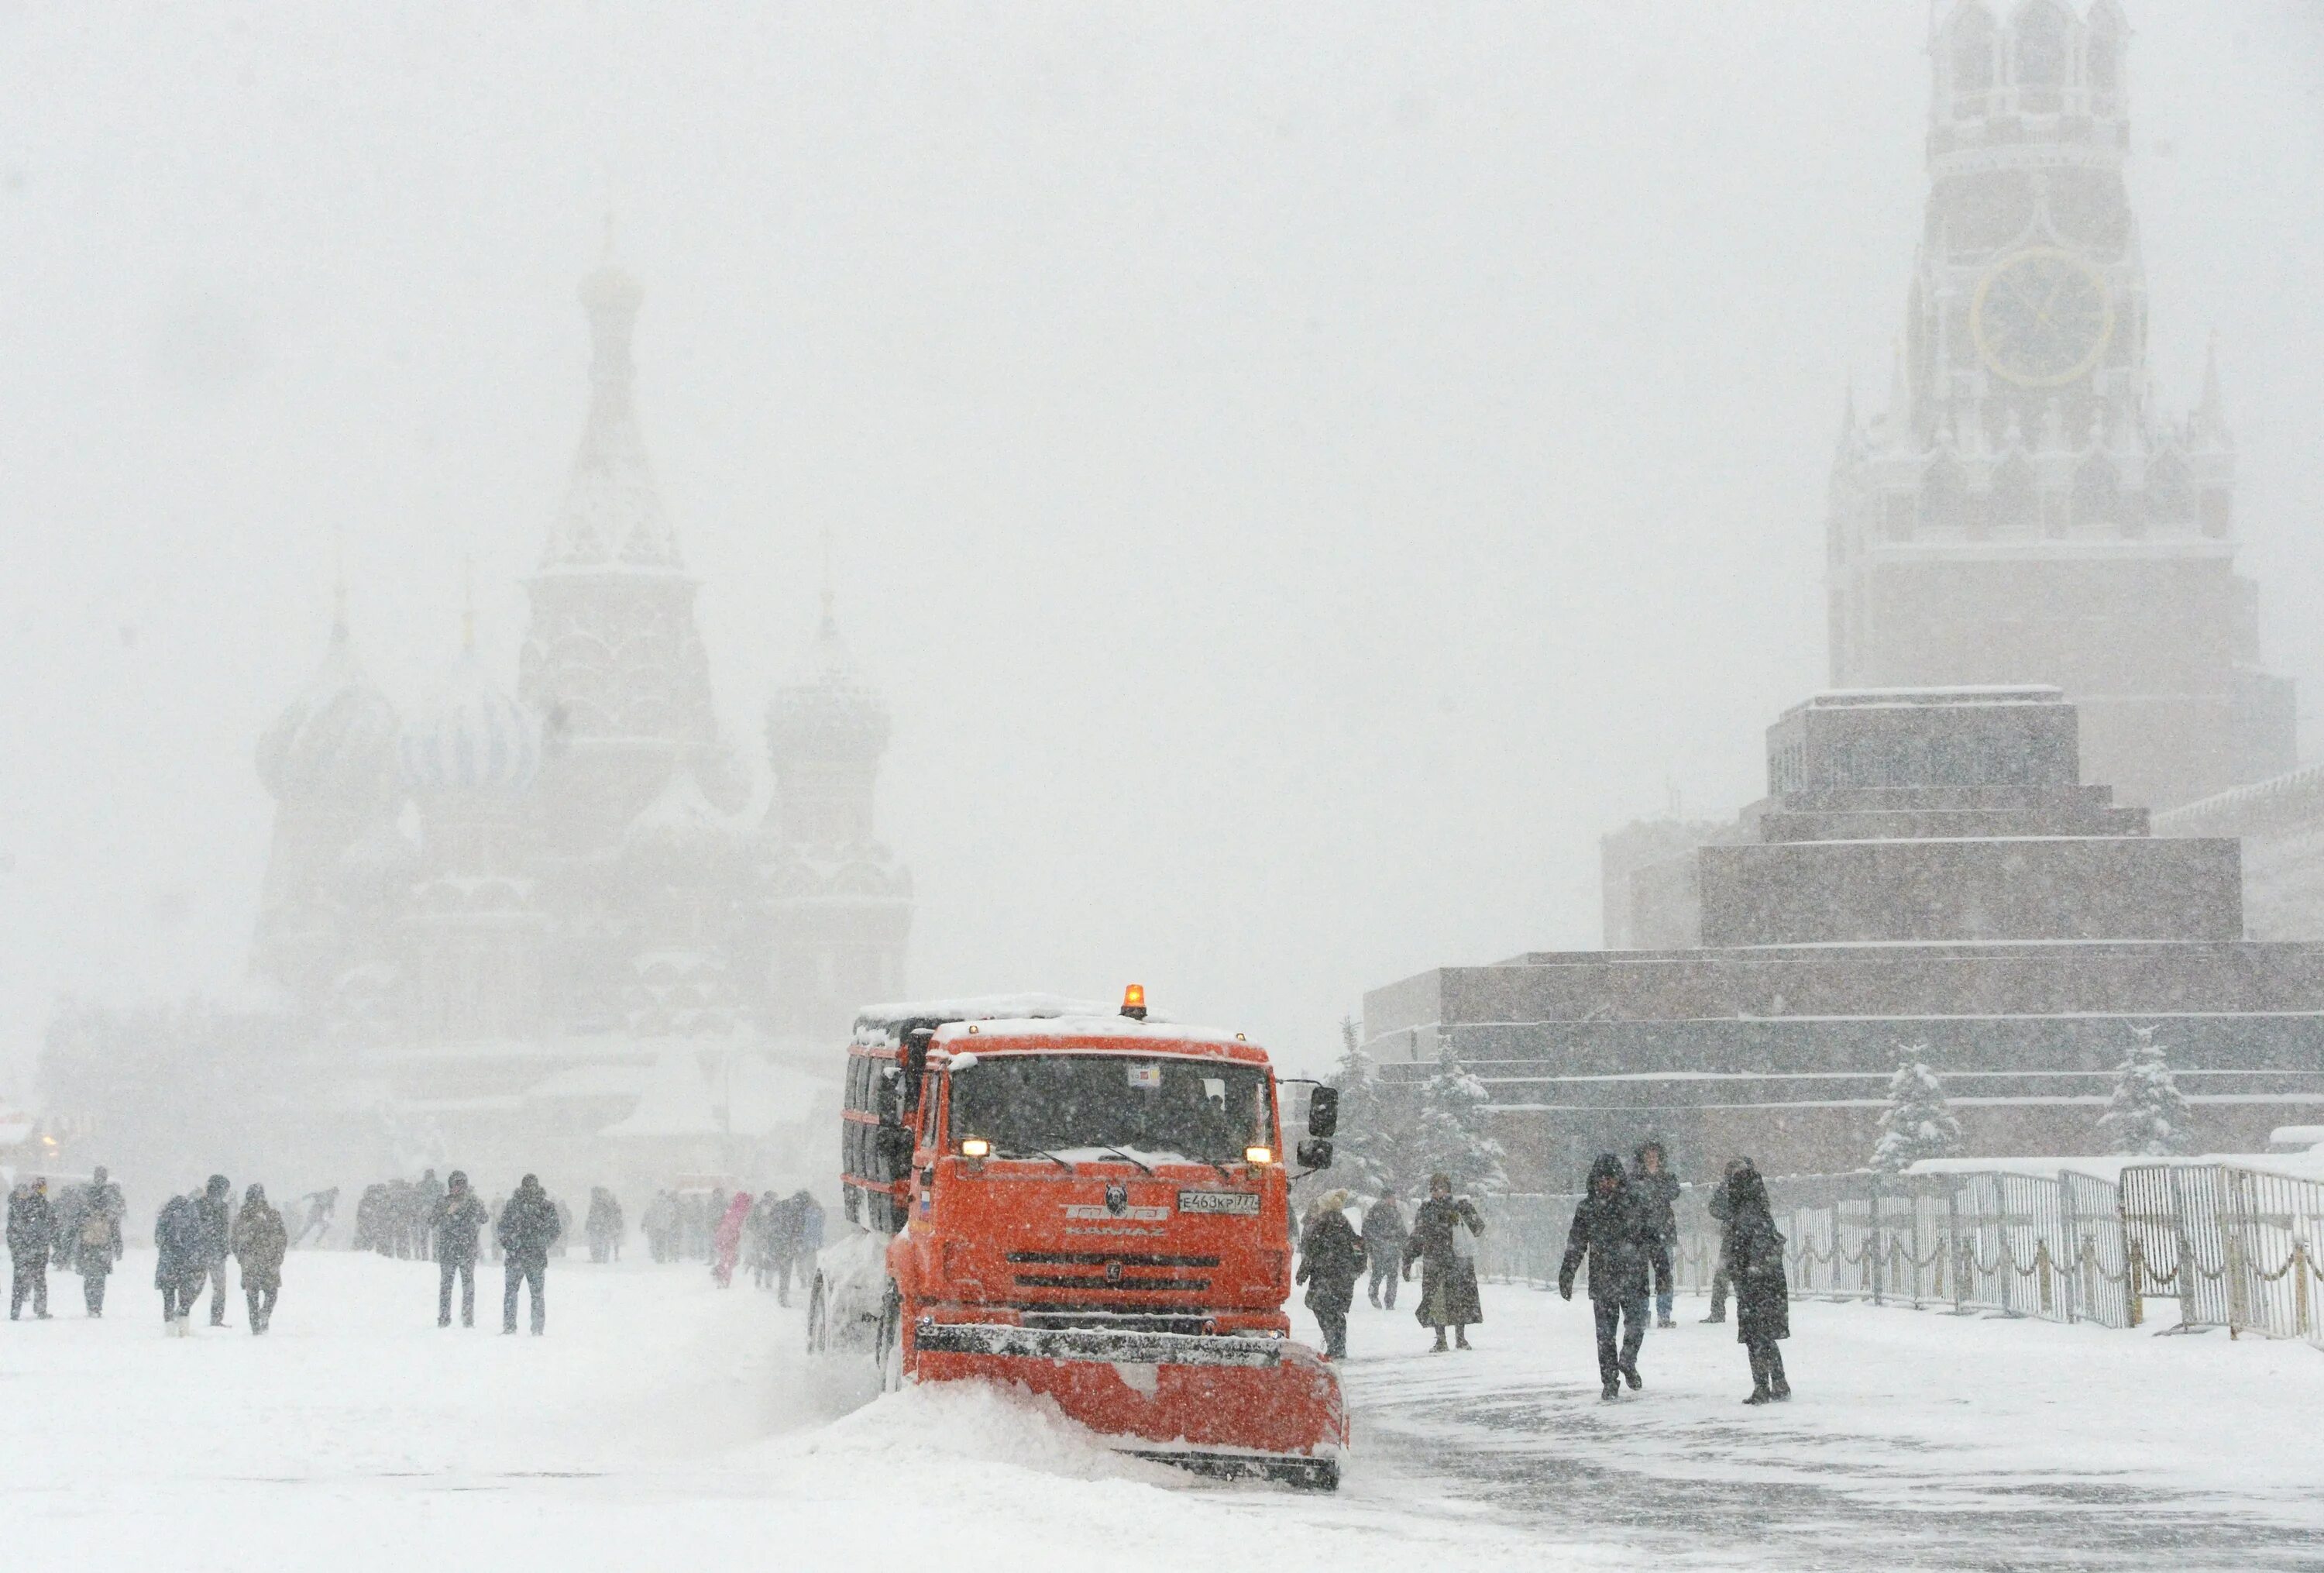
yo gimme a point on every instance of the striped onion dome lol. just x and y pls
(471, 735)
(337, 740)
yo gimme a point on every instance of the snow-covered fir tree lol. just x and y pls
(1364, 1156)
(2147, 1116)
(1918, 1122)
(1449, 1133)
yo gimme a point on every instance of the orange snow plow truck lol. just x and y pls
(1090, 1205)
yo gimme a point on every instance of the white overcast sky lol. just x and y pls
(1299, 473)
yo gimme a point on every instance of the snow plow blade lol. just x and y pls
(1220, 1404)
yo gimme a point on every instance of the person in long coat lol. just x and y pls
(261, 1241)
(215, 1209)
(32, 1231)
(1444, 1242)
(178, 1269)
(1612, 1231)
(1331, 1259)
(1658, 1191)
(1763, 1299)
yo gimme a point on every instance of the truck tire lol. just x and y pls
(887, 1349)
(818, 1315)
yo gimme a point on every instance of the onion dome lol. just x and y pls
(827, 714)
(472, 736)
(337, 740)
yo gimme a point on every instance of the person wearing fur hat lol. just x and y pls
(1332, 1257)
(1443, 1241)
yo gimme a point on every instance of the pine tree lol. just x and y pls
(1918, 1122)
(2147, 1117)
(1449, 1134)
(1363, 1157)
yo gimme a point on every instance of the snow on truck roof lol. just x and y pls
(998, 1018)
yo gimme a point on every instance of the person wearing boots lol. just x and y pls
(1755, 1255)
(178, 1271)
(1383, 1236)
(100, 1248)
(1331, 1259)
(261, 1241)
(1611, 1230)
(32, 1228)
(1443, 1241)
(214, 1211)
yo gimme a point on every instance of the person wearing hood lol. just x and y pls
(31, 1229)
(1723, 1281)
(1443, 1241)
(458, 1219)
(1331, 1259)
(97, 1244)
(215, 1212)
(1754, 1253)
(1384, 1232)
(261, 1241)
(1613, 1232)
(178, 1269)
(1658, 1192)
(527, 1227)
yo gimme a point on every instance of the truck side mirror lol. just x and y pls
(1315, 1153)
(1324, 1112)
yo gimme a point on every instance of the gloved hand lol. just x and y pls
(1565, 1288)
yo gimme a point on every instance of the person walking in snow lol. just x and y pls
(105, 1197)
(424, 1198)
(1443, 1241)
(1723, 1281)
(1384, 1232)
(99, 1249)
(1657, 1193)
(1611, 1230)
(729, 1239)
(321, 1207)
(1754, 1252)
(32, 1230)
(261, 1241)
(1332, 1257)
(215, 1210)
(178, 1269)
(460, 1217)
(602, 1223)
(527, 1227)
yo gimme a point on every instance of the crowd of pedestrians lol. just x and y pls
(79, 1231)
(1624, 1233)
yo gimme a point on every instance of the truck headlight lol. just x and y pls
(1258, 1155)
(975, 1147)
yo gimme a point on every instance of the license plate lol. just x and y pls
(1241, 1204)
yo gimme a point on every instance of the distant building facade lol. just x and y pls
(533, 926)
(1927, 872)
(2022, 511)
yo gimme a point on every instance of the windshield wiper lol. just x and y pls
(1126, 1158)
(1038, 1153)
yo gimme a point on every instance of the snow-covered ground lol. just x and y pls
(663, 1423)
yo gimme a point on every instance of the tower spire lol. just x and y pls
(613, 511)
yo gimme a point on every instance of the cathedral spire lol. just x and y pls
(2211, 422)
(612, 514)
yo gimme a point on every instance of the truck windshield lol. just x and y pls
(1077, 1107)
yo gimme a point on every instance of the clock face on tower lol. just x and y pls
(2042, 317)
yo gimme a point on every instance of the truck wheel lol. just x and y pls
(819, 1331)
(888, 1349)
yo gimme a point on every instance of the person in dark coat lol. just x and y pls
(215, 1212)
(1444, 1242)
(1762, 1298)
(460, 1217)
(1657, 1192)
(527, 1227)
(1611, 1230)
(99, 1247)
(424, 1198)
(602, 1223)
(261, 1241)
(1331, 1259)
(32, 1235)
(1723, 1281)
(178, 1269)
(1384, 1233)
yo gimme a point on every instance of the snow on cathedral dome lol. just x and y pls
(472, 736)
(336, 739)
(827, 711)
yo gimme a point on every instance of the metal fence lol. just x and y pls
(2236, 1247)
